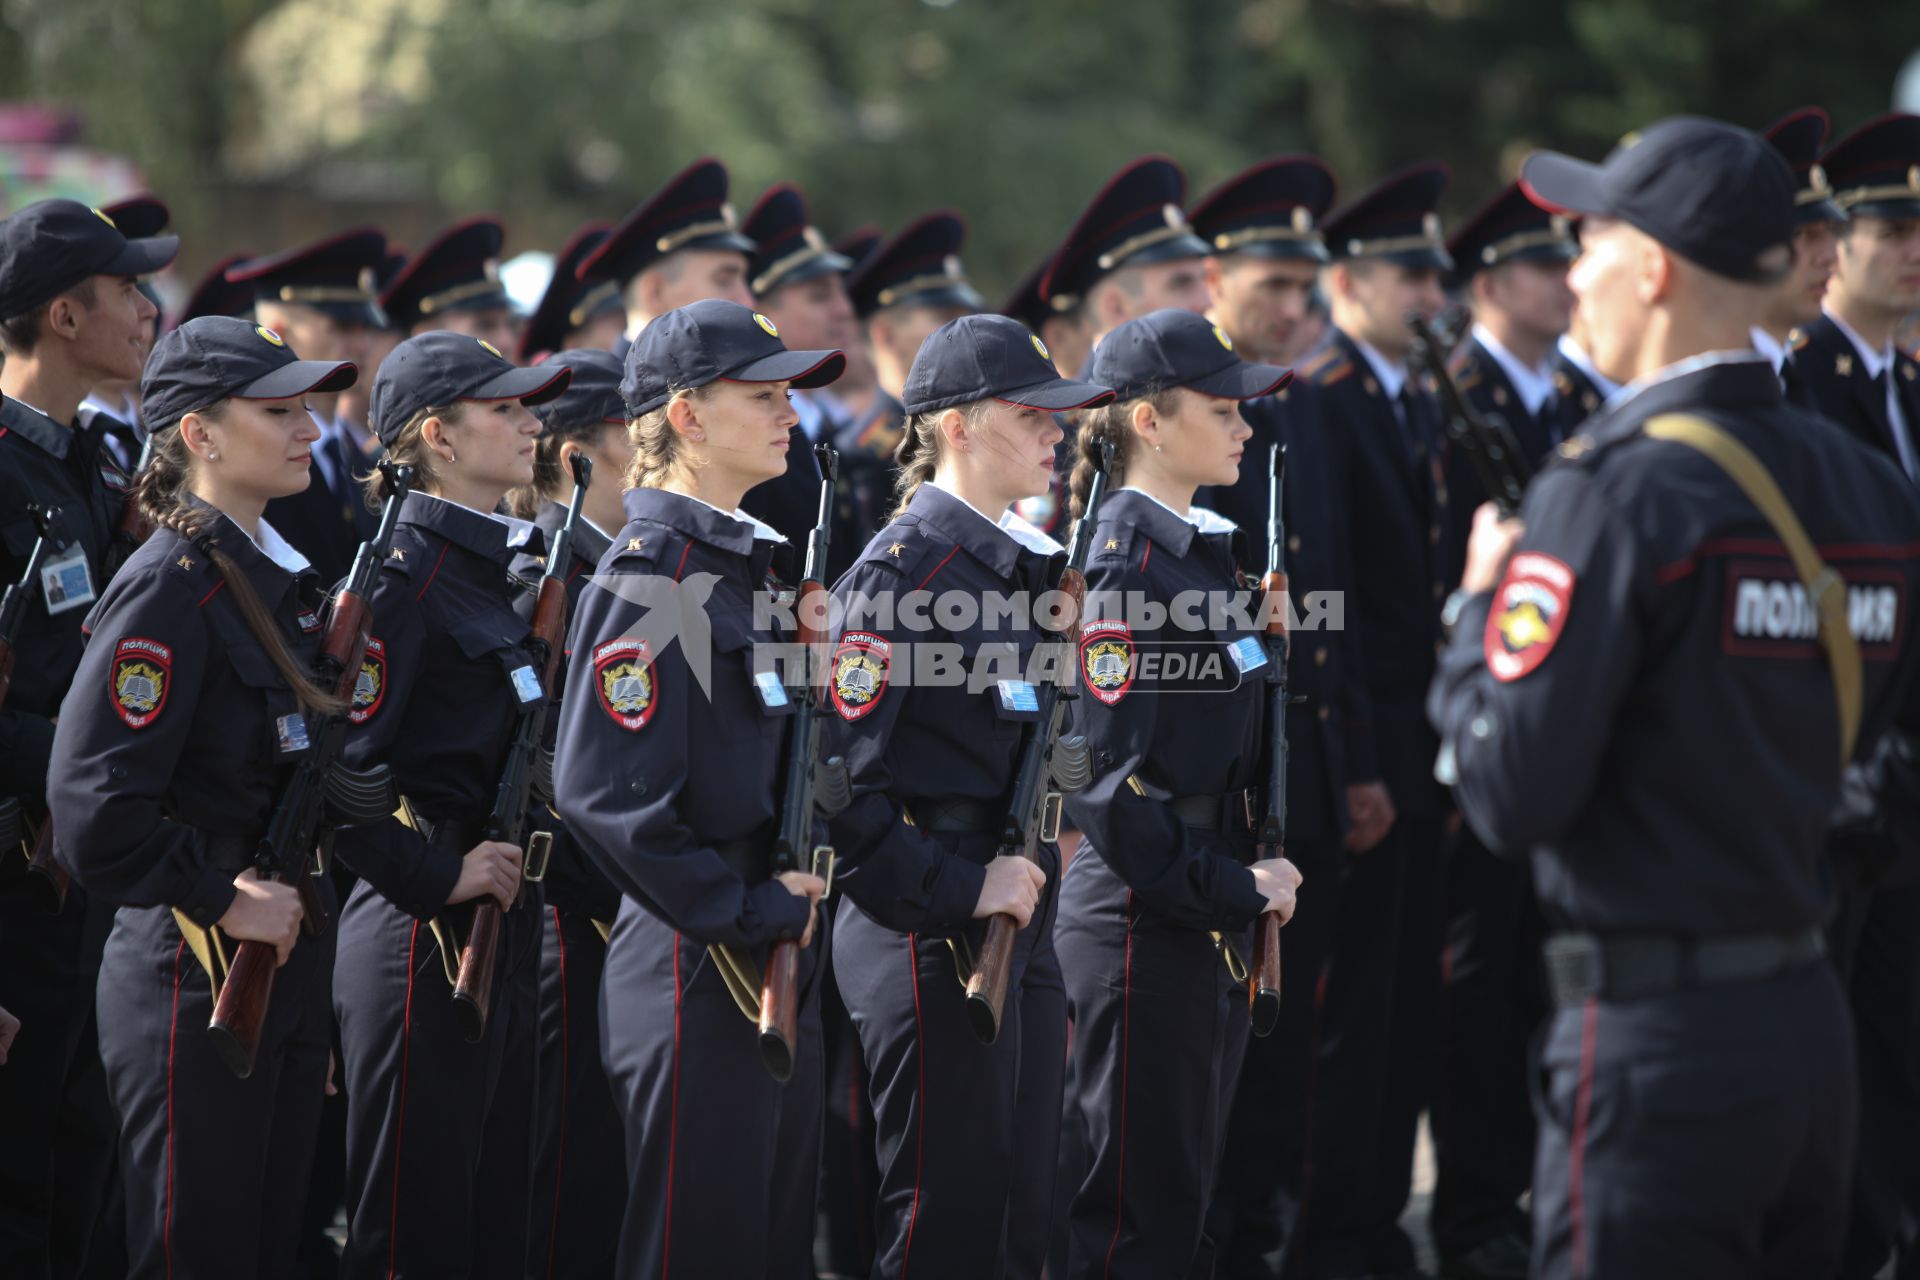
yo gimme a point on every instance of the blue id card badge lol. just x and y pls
(66, 581)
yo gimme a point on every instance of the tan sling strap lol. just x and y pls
(1825, 588)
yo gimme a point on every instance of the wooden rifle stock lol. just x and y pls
(473, 987)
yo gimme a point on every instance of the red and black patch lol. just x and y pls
(309, 622)
(1529, 613)
(1768, 613)
(370, 686)
(1107, 659)
(623, 681)
(141, 678)
(861, 665)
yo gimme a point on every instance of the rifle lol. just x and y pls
(133, 527)
(1033, 811)
(1263, 984)
(291, 850)
(13, 610)
(507, 820)
(1488, 443)
(809, 787)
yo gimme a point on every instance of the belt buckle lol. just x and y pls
(823, 855)
(1575, 968)
(539, 850)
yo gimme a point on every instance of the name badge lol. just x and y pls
(1248, 654)
(290, 734)
(526, 684)
(1018, 698)
(773, 694)
(66, 582)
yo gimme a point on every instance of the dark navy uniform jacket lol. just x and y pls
(446, 673)
(573, 883)
(910, 739)
(1825, 374)
(1395, 529)
(168, 737)
(52, 466)
(1643, 703)
(1486, 388)
(653, 773)
(1159, 733)
(1329, 724)
(1576, 397)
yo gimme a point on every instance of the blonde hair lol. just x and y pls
(658, 453)
(409, 448)
(162, 496)
(920, 447)
(1111, 424)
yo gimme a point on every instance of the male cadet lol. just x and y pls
(1062, 329)
(321, 298)
(1388, 256)
(1512, 258)
(799, 286)
(454, 284)
(1579, 388)
(903, 291)
(574, 313)
(1705, 557)
(1816, 220)
(115, 402)
(1264, 229)
(1846, 368)
(681, 245)
(71, 316)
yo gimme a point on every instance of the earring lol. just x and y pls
(1158, 449)
(452, 456)
(698, 437)
(213, 455)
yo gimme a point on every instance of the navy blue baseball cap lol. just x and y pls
(214, 358)
(1875, 170)
(989, 357)
(1272, 210)
(440, 367)
(591, 399)
(1798, 136)
(1716, 194)
(49, 247)
(1176, 348)
(1398, 221)
(715, 341)
(458, 271)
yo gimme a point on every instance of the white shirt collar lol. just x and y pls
(1771, 347)
(1679, 369)
(518, 530)
(762, 531)
(1391, 374)
(1199, 517)
(1577, 356)
(276, 548)
(1534, 386)
(126, 411)
(1012, 525)
(1871, 360)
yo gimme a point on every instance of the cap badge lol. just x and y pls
(1040, 346)
(367, 280)
(1430, 225)
(1560, 226)
(728, 216)
(953, 267)
(773, 330)
(1221, 334)
(269, 335)
(1629, 139)
(493, 350)
(814, 239)
(1171, 212)
(1302, 218)
(104, 218)
(1843, 366)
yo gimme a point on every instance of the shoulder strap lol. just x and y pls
(1824, 587)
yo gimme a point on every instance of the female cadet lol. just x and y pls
(580, 1172)
(966, 1131)
(671, 742)
(1173, 711)
(439, 1130)
(185, 717)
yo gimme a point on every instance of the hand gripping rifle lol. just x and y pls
(1488, 443)
(526, 758)
(320, 794)
(1033, 811)
(13, 611)
(1263, 984)
(810, 786)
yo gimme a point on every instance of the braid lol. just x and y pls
(657, 453)
(1110, 424)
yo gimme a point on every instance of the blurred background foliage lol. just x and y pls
(264, 121)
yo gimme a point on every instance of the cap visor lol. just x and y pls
(1419, 259)
(965, 297)
(1818, 211)
(1289, 250)
(804, 369)
(1184, 245)
(1243, 381)
(142, 257)
(1561, 184)
(721, 240)
(1057, 395)
(529, 386)
(299, 378)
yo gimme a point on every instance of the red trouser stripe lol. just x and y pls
(1577, 1158)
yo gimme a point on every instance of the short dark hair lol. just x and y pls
(20, 334)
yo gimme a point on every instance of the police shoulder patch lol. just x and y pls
(370, 684)
(623, 682)
(141, 678)
(861, 664)
(1106, 659)
(1529, 613)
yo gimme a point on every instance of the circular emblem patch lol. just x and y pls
(370, 686)
(623, 681)
(1221, 334)
(772, 329)
(860, 667)
(493, 350)
(269, 335)
(1529, 612)
(142, 673)
(1041, 347)
(1106, 659)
